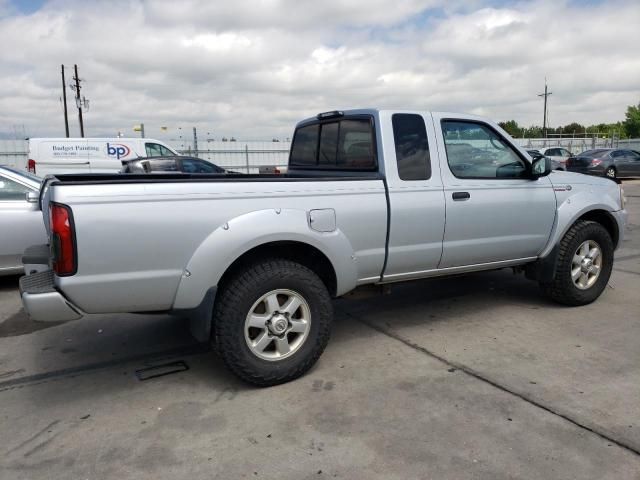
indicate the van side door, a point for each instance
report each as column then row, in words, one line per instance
column 416, row 198
column 495, row 211
column 58, row 156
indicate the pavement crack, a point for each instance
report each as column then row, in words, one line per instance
column 34, row 436
column 479, row 376
column 38, row 378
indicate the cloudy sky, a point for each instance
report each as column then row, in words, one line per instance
column 253, row 68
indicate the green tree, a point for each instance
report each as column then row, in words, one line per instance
column 572, row 128
column 511, row 127
column 632, row 121
column 533, row 132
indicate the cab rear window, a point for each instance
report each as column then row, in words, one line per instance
column 346, row 144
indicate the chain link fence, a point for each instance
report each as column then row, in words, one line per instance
column 577, row 145
column 240, row 156
column 250, row 156
column 13, row 152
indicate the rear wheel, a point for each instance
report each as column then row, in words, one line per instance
column 610, row 172
column 584, row 264
column 272, row 321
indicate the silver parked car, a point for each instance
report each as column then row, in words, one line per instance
column 558, row 156
column 21, row 222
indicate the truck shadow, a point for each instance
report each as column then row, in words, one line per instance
column 441, row 298
column 123, row 344
column 13, row 319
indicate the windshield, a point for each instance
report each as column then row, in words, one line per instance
column 24, row 174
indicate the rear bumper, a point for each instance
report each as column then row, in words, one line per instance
column 42, row 302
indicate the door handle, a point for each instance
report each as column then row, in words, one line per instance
column 459, row 196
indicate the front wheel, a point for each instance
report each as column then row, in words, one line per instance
column 272, row 321
column 584, row 264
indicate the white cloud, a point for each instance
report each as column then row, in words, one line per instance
column 253, row 68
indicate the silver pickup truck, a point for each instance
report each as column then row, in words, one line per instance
column 371, row 197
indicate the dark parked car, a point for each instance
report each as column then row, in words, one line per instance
column 175, row 164
column 608, row 162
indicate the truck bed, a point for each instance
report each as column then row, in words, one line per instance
column 100, row 178
column 142, row 233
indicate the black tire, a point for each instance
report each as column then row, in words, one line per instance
column 236, row 299
column 610, row 172
column 562, row 288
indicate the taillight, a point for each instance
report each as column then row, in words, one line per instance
column 595, row 162
column 31, row 166
column 63, row 242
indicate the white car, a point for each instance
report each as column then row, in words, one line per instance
column 558, row 155
column 21, row 222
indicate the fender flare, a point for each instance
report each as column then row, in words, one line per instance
column 545, row 268
column 570, row 211
column 241, row 234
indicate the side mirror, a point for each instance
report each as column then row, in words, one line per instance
column 540, row 167
column 32, row 197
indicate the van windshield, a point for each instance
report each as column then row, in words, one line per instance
column 157, row 150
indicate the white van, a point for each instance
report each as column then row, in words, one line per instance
column 89, row 155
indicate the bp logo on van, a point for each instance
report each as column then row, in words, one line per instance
column 118, row 150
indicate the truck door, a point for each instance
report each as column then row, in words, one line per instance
column 494, row 211
column 416, row 198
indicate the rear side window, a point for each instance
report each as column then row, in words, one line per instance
column 346, row 144
column 191, row 165
column 163, row 166
column 412, row 148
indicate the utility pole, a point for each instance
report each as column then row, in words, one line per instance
column 195, row 141
column 544, row 120
column 64, row 102
column 78, row 101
